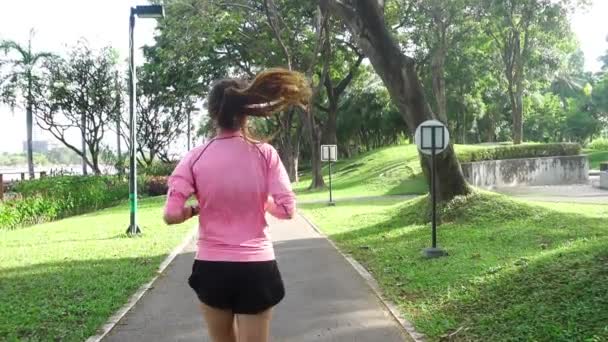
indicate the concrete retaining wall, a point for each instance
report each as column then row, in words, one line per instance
column 530, row 171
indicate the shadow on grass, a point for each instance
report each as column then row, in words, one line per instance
column 559, row 296
column 356, row 175
column 142, row 204
column 19, row 242
column 67, row 301
column 474, row 287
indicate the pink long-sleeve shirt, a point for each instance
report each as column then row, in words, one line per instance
column 232, row 180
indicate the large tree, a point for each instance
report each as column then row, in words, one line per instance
column 365, row 21
column 519, row 29
column 80, row 94
column 251, row 35
column 17, row 85
column 161, row 115
column 433, row 28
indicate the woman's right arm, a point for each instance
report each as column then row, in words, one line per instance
column 282, row 203
column 181, row 187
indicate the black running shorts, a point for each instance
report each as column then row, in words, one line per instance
column 242, row 287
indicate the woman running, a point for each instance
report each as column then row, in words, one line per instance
column 236, row 180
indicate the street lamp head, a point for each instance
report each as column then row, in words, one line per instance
column 149, row 11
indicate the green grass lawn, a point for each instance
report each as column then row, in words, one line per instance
column 517, row 271
column 392, row 170
column 62, row 280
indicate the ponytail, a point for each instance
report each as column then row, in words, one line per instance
column 231, row 101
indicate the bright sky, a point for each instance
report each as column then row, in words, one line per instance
column 105, row 22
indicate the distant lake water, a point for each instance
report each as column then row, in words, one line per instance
column 10, row 174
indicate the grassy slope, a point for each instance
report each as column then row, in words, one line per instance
column 516, row 270
column 60, row 281
column 388, row 171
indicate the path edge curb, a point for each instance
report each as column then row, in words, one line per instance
column 136, row 297
column 391, row 307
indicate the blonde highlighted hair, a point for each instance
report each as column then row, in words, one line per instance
column 230, row 101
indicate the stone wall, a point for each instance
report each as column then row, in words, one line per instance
column 530, row 171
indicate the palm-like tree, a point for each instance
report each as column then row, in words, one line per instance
column 17, row 85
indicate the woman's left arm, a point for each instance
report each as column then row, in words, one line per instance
column 181, row 187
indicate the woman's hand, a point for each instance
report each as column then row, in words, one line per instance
column 269, row 203
column 186, row 213
column 194, row 210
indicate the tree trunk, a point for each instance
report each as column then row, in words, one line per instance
column 317, row 171
column 314, row 138
column 95, row 162
column 518, row 114
column 287, row 155
column 119, row 164
column 83, row 123
column 29, row 128
column 398, row 72
column 330, row 134
column 296, row 154
column 492, row 128
column 438, row 76
column 516, row 100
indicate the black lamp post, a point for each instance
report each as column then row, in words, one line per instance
column 151, row 11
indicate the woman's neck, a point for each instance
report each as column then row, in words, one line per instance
column 229, row 132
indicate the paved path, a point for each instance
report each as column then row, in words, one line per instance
column 326, row 298
column 585, row 193
column 361, row 199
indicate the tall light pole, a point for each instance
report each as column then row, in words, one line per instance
column 151, row 11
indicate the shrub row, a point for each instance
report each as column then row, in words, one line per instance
column 520, row 151
column 599, row 144
column 53, row 198
column 158, row 169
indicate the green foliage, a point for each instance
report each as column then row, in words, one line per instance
column 60, row 281
column 158, row 169
column 20, row 74
column 516, row 271
column 519, row 151
column 545, row 118
column 368, row 119
column 599, row 144
column 52, row 198
column 66, row 98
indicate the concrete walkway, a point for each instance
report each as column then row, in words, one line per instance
column 583, row 193
column 361, row 199
column 327, row 300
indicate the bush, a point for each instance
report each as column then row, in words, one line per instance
column 156, row 185
column 599, row 144
column 53, row 198
column 159, row 169
column 521, row 151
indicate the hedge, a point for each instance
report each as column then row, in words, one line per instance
column 158, row 169
column 520, row 152
column 52, row 198
column 156, row 185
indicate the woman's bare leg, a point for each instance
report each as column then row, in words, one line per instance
column 220, row 323
column 254, row 328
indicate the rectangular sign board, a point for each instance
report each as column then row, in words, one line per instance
column 329, row 153
column 428, row 133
